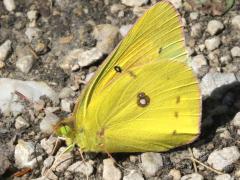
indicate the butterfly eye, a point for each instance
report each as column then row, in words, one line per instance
column 142, row 99
column 118, row 69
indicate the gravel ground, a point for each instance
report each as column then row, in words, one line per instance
column 49, row 50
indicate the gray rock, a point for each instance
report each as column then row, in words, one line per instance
column 32, row 33
column 151, row 163
column 5, row 163
column 175, row 174
column 115, row 8
column 213, row 80
column 9, row 5
column 134, row 2
column 196, row 30
column 21, row 123
column 5, row 50
column 62, row 160
column 212, row 43
column 194, row 176
column 194, row 15
column 223, row 177
column 214, row 27
column 24, row 155
column 66, row 92
column 48, row 122
column 196, row 153
column 25, row 63
column 71, row 59
column 66, row 105
column 235, row 51
column 107, row 37
column 176, row 3
column 86, row 168
column 236, row 21
column 110, row 172
column 236, row 120
column 226, row 59
column 48, row 161
column 198, row 62
column 48, row 144
column 32, row 15
column 219, row 159
column 133, row 175
column 124, row 29
column 89, row 57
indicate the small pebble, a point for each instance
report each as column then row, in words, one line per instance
column 175, row 174
column 198, row 62
column 151, row 163
column 21, row 123
column 66, row 105
column 194, row 176
column 9, row 5
column 219, row 159
column 235, row 51
column 236, row 120
column 212, row 43
column 223, row 177
column 134, row 2
column 32, row 33
column 194, row 15
column 196, row 30
column 86, row 168
column 5, row 50
column 236, row 21
column 176, row 3
column 32, row 15
column 89, row 57
column 110, row 172
column 48, row 123
column 66, row 92
column 48, row 144
column 115, row 8
column 48, row 161
column 25, row 63
column 124, row 29
column 214, row 27
column 133, row 175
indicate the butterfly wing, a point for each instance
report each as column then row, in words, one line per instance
column 150, row 60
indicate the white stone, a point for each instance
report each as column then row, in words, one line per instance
column 23, row 155
column 125, row 29
column 236, row 21
column 32, row 33
column 194, row 176
column 198, row 62
column 223, row 177
column 71, row 59
column 196, row 30
column 214, row 27
column 194, row 15
column 86, row 168
column 151, row 163
column 48, row 144
column 133, row 175
column 196, row 153
column 21, row 123
column 219, row 159
column 107, row 37
column 9, row 5
column 48, row 122
column 32, row 15
column 89, row 57
column 48, row 161
column 66, row 105
column 31, row 90
column 176, row 174
column 212, row 43
column 25, row 63
column 176, row 3
column 235, row 51
column 134, row 2
column 5, row 50
column 236, row 120
column 110, row 172
column 66, row 92
column 213, row 80
column 115, row 8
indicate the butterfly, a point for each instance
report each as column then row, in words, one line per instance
column 144, row 97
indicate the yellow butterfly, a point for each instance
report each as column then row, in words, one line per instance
column 144, row 97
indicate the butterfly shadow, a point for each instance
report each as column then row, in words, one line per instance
column 218, row 109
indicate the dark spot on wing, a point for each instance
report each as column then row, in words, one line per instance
column 160, row 50
column 143, row 100
column 176, row 114
column 132, row 74
column 178, row 100
column 118, row 69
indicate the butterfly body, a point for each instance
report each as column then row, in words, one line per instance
column 144, row 97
